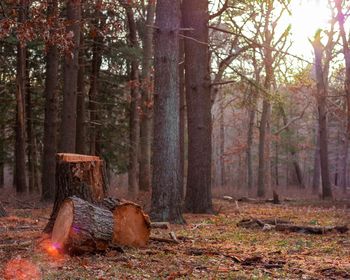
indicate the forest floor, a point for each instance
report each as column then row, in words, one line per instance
column 210, row 247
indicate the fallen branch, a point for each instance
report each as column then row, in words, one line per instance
column 160, row 225
column 162, row 239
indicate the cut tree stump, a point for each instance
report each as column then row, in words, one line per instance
column 3, row 212
column 81, row 227
column 78, row 175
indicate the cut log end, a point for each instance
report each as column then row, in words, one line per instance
column 131, row 225
column 63, row 225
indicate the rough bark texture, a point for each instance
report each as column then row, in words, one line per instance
column 51, row 113
column 166, row 181
column 81, row 176
column 70, row 78
column 20, row 155
column 198, row 100
column 81, row 227
column 146, row 102
column 321, row 96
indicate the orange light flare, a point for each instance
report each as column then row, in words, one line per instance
column 51, row 249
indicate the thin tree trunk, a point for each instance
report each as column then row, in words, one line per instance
column 80, row 144
column 317, row 170
column 249, row 148
column 222, row 142
column 99, row 23
column 322, row 113
column 198, row 100
column 146, row 102
column 71, row 67
column 166, row 181
column 51, row 113
column 20, row 155
column 134, row 137
column 346, row 52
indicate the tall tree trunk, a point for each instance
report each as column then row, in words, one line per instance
column 80, row 144
column 222, row 142
column 346, row 52
column 249, row 148
column 31, row 142
column 166, row 181
column 134, row 121
column 264, row 171
column 322, row 117
column 198, row 100
column 70, row 76
column 99, row 22
column 51, row 112
column 20, row 155
column 183, row 112
column 146, row 102
column 317, row 170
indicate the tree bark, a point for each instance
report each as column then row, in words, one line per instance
column 166, row 181
column 20, row 155
column 2, row 156
column 51, row 111
column 134, row 117
column 346, row 52
column 322, row 117
column 198, row 100
column 317, row 171
column 99, row 23
column 70, row 77
column 81, row 145
column 145, row 173
column 81, row 176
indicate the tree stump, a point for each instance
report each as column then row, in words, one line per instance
column 3, row 212
column 78, row 175
column 81, row 227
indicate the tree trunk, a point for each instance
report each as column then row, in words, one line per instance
column 70, row 77
column 166, row 181
column 249, row 147
column 146, row 102
column 79, row 175
column 222, row 142
column 20, row 155
column 80, row 144
column 198, row 100
column 317, row 170
column 322, row 118
column 134, row 129
column 346, row 52
column 183, row 113
column 99, row 23
column 51, row 112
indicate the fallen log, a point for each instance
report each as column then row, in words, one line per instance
column 3, row 212
column 287, row 226
column 311, row 229
column 83, row 227
column 78, row 175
